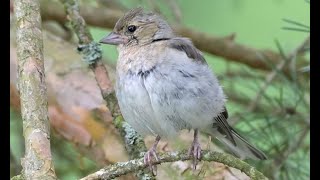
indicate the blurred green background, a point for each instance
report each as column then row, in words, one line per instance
column 257, row 24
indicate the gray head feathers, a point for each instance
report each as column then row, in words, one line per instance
column 139, row 17
column 128, row 16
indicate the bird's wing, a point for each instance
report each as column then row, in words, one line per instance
column 223, row 126
column 185, row 45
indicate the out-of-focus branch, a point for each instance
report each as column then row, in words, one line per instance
column 123, row 168
column 220, row 46
column 51, row 10
column 113, row 4
column 37, row 162
column 175, row 9
column 92, row 54
column 272, row 75
column 58, row 29
column 226, row 47
column 292, row 147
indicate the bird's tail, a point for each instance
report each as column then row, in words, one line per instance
column 242, row 148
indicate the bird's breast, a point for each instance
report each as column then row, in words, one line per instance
column 161, row 93
column 139, row 59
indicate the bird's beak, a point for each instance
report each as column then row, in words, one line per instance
column 113, row 39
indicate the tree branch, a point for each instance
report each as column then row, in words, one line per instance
column 123, row 168
column 92, row 54
column 220, row 46
column 37, row 162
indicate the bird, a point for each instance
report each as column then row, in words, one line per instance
column 164, row 85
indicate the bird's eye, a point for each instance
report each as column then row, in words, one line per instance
column 132, row 28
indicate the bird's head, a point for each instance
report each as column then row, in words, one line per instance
column 138, row 28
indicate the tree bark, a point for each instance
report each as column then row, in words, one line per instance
column 37, row 162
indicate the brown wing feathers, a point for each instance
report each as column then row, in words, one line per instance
column 223, row 126
column 185, row 45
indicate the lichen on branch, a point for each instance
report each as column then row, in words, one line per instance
column 123, row 168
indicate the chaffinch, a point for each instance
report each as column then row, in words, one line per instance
column 164, row 85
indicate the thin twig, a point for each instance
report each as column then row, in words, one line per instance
column 299, row 26
column 123, row 168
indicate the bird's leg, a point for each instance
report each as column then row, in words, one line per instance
column 195, row 149
column 152, row 153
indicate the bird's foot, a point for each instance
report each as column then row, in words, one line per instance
column 195, row 150
column 152, row 153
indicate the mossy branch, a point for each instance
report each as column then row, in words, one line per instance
column 123, row 168
column 92, row 54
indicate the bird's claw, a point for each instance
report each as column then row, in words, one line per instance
column 148, row 159
column 195, row 151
